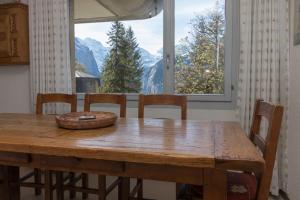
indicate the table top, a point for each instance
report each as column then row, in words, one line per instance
column 190, row 143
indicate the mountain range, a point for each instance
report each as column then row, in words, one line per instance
column 91, row 54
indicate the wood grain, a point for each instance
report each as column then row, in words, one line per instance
column 182, row 151
column 135, row 140
column 153, row 141
column 234, row 150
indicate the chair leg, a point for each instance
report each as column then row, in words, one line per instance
column 72, row 183
column 178, row 187
column 48, row 185
column 59, row 186
column 140, row 191
column 85, row 184
column 124, row 189
column 101, row 187
column 38, row 180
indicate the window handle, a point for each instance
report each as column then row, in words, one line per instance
column 168, row 61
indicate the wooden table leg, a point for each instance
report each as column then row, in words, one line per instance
column 215, row 185
column 124, row 189
column 10, row 188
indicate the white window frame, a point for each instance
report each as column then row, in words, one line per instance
column 231, row 48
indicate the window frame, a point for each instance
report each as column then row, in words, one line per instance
column 231, row 48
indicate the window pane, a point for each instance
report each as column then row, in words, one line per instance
column 120, row 57
column 199, row 43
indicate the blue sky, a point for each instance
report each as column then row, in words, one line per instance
column 149, row 32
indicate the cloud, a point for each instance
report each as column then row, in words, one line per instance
column 97, row 31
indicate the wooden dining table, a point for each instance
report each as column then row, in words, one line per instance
column 182, row 151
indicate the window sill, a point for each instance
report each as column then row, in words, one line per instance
column 211, row 102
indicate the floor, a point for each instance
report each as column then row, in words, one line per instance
column 151, row 190
column 31, row 197
column 276, row 198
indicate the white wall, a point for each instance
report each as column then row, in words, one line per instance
column 294, row 118
column 14, row 89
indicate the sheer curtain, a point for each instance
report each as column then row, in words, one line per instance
column 49, row 49
column 264, row 67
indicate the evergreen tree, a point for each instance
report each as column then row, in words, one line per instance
column 133, row 63
column 122, row 70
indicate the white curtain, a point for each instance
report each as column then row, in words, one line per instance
column 49, row 49
column 264, row 68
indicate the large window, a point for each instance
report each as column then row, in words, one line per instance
column 184, row 49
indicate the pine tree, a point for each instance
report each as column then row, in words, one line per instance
column 112, row 76
column 122, row 70
column 134, row 64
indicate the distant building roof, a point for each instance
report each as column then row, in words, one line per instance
column 79, row 74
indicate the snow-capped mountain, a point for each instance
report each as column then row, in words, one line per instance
column 153, row 78
column 85, row 57
column 99, row 51
column 148, row 59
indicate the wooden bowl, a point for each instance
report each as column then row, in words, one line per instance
column 74, row 120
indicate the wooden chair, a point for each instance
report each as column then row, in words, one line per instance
column 55, row 98
column 248, row 185
column 101, row 191
column 172, row 100
column 147, row 100
column 106, row 98
column 37, row 173
column 258, row 185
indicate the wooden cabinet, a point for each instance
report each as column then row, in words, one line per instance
column 14, row 34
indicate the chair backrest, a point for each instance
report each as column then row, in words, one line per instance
column 55, row 98
column 119, row 99
column 268, row 146
column 174, row 100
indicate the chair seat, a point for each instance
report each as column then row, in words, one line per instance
column 241, row 186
